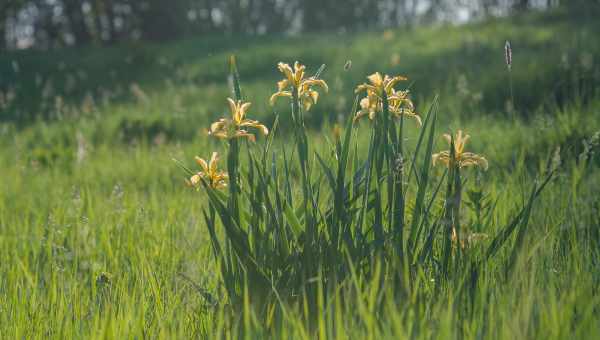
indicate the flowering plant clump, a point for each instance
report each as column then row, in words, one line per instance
column 358, row 215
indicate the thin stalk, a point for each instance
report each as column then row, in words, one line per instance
column 399, row 199
column 233, row 171
column 448, row 211
column 233, row 154
column 369, row 169
column 456, row 200
column 302, row 145
column 512, row 97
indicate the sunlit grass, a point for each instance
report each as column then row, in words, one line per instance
column 101, row 238
column 62, row 227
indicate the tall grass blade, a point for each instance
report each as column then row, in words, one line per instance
column 422, row 186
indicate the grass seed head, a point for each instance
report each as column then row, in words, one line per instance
column 508, row 54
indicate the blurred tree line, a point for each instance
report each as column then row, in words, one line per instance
column 55, row 23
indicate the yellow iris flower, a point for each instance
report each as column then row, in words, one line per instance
column 462, row 158
column 379, row 83
column 294, row 81
column 234, row 128
column 398, row 102
column 216, row 179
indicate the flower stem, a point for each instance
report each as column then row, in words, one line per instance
column 512, row 97
column 232, row 168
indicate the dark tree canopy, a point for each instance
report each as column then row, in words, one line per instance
column 56, row 23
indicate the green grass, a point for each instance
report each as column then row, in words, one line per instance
column 100, row 238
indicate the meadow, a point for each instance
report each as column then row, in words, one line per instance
column 328, row 227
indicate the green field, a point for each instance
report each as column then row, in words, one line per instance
column 101, row 238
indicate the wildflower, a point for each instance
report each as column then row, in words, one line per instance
column 294, row 81
column 399, row 104
column 369, row 106
column 234, row 127
column 462, row 159
column 216, row 179
column 378, row 83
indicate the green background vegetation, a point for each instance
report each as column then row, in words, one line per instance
column 99, row 238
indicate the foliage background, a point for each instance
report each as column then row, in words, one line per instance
column 99, row 238
column 47, row 24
